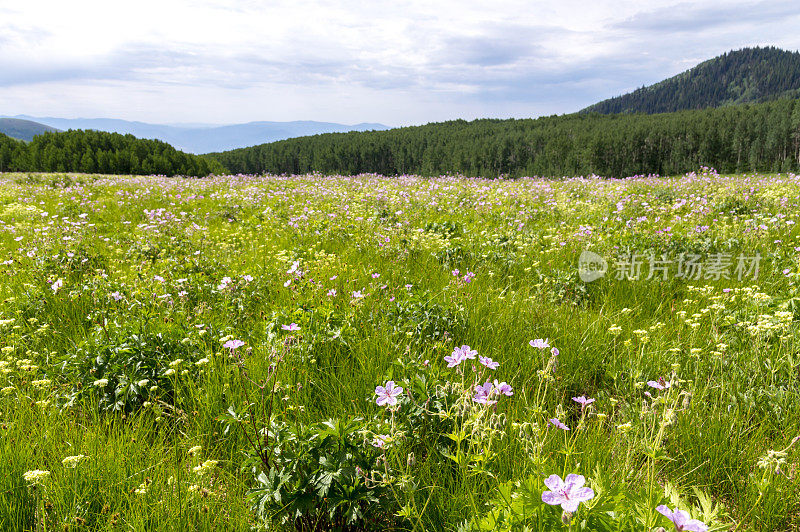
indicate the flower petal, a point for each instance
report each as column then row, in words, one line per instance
column 680, row 518
column 570, row 505
column 574, row 481
column 554, row 482
column 665, row 511
column 582, row 494
column 554, row 499
column 695, row 526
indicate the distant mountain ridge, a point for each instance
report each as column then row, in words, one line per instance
column 749, row 75
column 203, row 138
column 23, row 129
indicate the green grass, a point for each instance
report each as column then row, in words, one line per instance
column 142, row 263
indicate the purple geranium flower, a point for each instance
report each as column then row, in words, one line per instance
column 233, row 344
column 682, row 520
column 541, row 344
column 467, row 352
column 387, row 395
column 503, row 388
column 558, row 424
column 569, row 494
column 459, row 355
column 454, row 359
column 583, row 401
column 291, row 327
column 484, row 393
column 659, row 384
column 488, row 362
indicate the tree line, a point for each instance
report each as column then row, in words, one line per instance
column 100, row 152
column 749, row 75
column 750, row 137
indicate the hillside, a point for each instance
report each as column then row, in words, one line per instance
column 100, row 152
column 22, row 129
column 749, row 75
column 204, row 138
column 764, row 137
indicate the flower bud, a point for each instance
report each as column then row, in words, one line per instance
column 566, row 517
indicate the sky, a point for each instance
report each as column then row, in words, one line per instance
column 398, row 63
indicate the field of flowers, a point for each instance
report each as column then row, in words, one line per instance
column 373, row 353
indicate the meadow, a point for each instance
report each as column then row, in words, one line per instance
column 399, row 353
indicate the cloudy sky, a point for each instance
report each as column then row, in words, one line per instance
column 399, row 62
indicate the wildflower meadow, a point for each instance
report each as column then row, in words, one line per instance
column 322, row 353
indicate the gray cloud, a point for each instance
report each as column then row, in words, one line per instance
column 687, row 18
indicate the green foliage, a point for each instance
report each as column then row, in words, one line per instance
column 122, row 376
column 100, row 152
column 322, row 478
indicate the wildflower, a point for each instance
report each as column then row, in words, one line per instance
column 387, row 395
column 583, row 401
column 169, row 372
column 380, row 440
column 41, row 383
column 175, row 363
column 332, row 292
column 539, row 343
column 247, row 278
column 35, row 477
column 569, row 494
column 682, row 520
column 484, row 393
column 195, row 450
column 291, row 327
column 142, row 383
column 73, row 461
column 660, row 384
column 488, row 362
column 202, row 362
column 233, row 344
column 503, row 388
column 142, row 489
column 116, row 296
column 57, row 285
column 357, row 294
column 205, row 467
column 375, row 275
column 558, row 424
column 100, row 383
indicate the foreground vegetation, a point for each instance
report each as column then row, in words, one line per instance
column 352, row 353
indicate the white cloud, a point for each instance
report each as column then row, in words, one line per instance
column 398, row 62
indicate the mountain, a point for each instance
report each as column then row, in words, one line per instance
column 749, row 75
column 202, row 138
column 22, row 129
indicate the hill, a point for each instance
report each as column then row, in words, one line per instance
column 100, row 152
column 757, row 137
column 749, row 75
column 23, row 129
column 204, row 138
